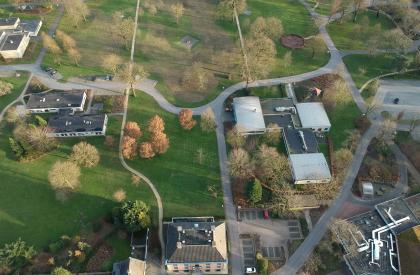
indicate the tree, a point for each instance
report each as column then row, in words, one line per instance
column 225, row 8
column 357, row 6
column 35, row 137
column 345, row 233
column 195, row 78
column 262, row 264
column 396, row 38
column 67, row 42
column 272, row 135
column 135, row 215
column 336, row 94
column 5, row 88
column 51, row 46
column 64, row 178
column 132, row 129
column 261, row 52
column 258, row 27
column 317, row 45
column 85, row 155
column 177, row 11
column 186, row 120
column 160, row 142
column 234, row 137
column 255, row 195
column 129, row 147
column 132, row 73
column 387, row 130
column 287, row 60
column 274, row 28
column 74, row 55
column 417, row 59
column 208, row 120
column 77, row 11
column 312, row 264
column 334, row 8
column 15, row 255
column 342, row 159
column 112, row 63
column 146, row 150
column 156, row 124
column 119, row 195
column 240, row 163
column 13, row 115
column 60, row 271
column 123, row 28
column 16, row 3
column 272, row 167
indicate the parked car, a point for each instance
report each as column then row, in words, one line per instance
column 266, row 214
column 396, row 100
column 109, row 77
column 251, row 270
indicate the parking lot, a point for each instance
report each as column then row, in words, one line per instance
column 269, row 236
column 395, row 96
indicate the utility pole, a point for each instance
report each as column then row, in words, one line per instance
column 241, row 39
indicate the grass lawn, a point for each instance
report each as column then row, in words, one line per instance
column 324, row 7
column 181, row 181
column 342, row 120
column 365, row 67
column 18, row 85
column 121, row 249
column 295, row 19
column 348, row 35
column 28, row 207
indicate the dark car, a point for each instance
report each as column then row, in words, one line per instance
column 396, row 100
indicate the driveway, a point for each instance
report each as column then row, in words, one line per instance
column 408, row 93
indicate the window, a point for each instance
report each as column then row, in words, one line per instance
column 207, row 270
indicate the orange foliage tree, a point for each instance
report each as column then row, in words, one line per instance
column 186, row 120
column 160, row 142
column 129, row 149
column 132, row 129
column 146, row 150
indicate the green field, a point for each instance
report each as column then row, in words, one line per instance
column 365, row 67
column 181, row 181
column 18, row 85
column 28, row 207
column 349, row 35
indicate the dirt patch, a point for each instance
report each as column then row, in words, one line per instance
column 412, row 151
column 293, row 41
column 103, row 253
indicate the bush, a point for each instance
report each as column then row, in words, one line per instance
column 40, row 121
column 96, row 226
column 262, row 265
column 56, row 247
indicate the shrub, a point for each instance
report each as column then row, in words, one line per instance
column 56, row 247
column 186, row 120
column 40, row 121
column 96, row 226
column 255, row 195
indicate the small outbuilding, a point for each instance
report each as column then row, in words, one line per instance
column 367, row 189
column 309, row 168
column 248, row 115
column 312, row 115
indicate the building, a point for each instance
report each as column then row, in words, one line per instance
column 300, row 141
column 9, row 23
column 13, row 45
column 54, row 101
column 196, row 245
column 313, row 116
column 387, row 239
column 77, row 125
column 15, row 36
column 248, row 115
column 309, row 168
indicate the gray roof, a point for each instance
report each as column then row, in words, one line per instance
column 300, row 141
column 84, row 123
column 248, row 114
column 195, row 242
column 4, row 22
column 268, row 105
column 56, row 99
column 12, row 41
column 29, row 25
column 310, row 166
column 312, row 115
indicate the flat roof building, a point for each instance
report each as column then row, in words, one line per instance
column 248, row 115
column 309, row 168
column 196, row 245
column 55, row 100
column 13, row 45
column 313, row 115
column 300, row 141
column 74, row 126
column 10, row 23
column 31, row 27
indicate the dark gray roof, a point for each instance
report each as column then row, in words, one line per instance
column 29, row 25
column 295, row 143
column 4, row 22
column 282, row 120
column 193, row 244
column 268, row 105
column 55, row 99
column 12, row 41
column 84, row 123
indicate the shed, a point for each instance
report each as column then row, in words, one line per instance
column 309, row 168
column 367, row 189
column 248, row 115
column 313, row 115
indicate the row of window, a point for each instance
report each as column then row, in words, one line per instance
column 79, row 134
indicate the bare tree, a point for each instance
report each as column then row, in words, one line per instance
column 397, row 39
column 334, row 8
column 346, row 233
column 76, row 10
column 123, row 28
column 225, row 8
column 272, row 167
column 112, row 63
column 64, row 177
column 208, row 120
column 235, row 138
column 74, row 55
column 51, row 46
column 85, row 155
column 5, row 88
column 387, row 130
column 261, row 55
column 67, row 42
column 132, row 73
column 177, row 11
column 195, row 78
column 36, row 137
column 240, row 163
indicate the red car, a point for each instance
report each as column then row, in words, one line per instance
column 266, row 215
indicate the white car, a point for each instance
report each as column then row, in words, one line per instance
column 251, row 270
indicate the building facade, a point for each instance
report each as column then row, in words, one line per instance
column 78, row 126
column 55, row 101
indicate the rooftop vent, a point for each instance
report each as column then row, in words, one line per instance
column 179, row 228
column 11, row 41
column 302, row 137
column 196, row 225
column 57, row 99
column 178, row 245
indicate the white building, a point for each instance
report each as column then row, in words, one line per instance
column 78, row 126
column 248, row 115
column 13, row 45
column 309, row 168
column 313, row 116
